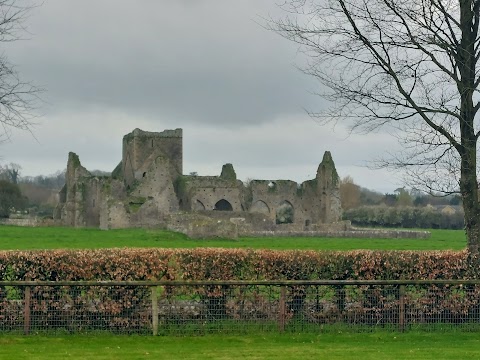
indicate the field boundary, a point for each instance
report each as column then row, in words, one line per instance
column 238, row 306
column 354, row 233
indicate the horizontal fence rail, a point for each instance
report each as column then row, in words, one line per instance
column 202, row 307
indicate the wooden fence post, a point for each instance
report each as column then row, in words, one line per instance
column 401, row 310
column 282, row 309
column 26, row 311
column 154, row 291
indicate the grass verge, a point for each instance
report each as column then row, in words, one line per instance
column 452, row 345
column 24, row 238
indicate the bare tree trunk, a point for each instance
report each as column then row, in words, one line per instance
column 469, row 191
column 468, row 150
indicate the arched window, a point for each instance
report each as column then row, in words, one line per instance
column 260, row 207
column 223, row 205
column 284, row 213
column 199, row 206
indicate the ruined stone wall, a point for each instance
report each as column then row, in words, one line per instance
column 371, row 234
column 199, row 226
column 207, row 224
column 113, row 210
column 71, row 206
column 149, row 215
column 311, row 199
column 281, row 201
column 204, row 193
column 315, row 201
column 91, row 196
column 147, row 187
column 267, row 196
column 80, row 200
column 199, row 193
column 141, row 148
column 113, row 215
column 145, row 204
column 27, row 222
column 154, row 196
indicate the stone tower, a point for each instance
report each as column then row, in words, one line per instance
column 142, row 148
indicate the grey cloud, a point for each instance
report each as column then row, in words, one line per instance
column 207, row 62
column 110, row 66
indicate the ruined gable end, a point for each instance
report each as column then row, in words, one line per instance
column 329, row 190
column 327, row 175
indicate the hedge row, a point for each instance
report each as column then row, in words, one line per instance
column 233, row 264
column 128, row 309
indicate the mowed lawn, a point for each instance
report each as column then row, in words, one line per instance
column 382, row 346
column 24, row 238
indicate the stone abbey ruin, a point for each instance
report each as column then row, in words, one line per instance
column 148, row 189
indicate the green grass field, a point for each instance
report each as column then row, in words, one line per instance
column 382, row 346
column 336, row 345
column 23, row 238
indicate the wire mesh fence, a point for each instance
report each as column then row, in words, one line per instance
column 236, row 307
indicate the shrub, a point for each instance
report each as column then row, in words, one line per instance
column 404, row 216
column 126, row 308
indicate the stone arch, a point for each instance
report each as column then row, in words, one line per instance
column 198, row 206
column 223, row 205
column 284, row 213
column 260, row 206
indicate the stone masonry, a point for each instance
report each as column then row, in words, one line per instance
column 148, row 189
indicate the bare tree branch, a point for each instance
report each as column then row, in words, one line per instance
column 410, row 66
column 18, row 98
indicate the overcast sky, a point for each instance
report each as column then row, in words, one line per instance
column 207, row 66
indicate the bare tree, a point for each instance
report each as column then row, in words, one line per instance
column 12, row 172
column 18, row 98
column 349, row 193
column 411, row 66
column 3, row 173
column 403, row 197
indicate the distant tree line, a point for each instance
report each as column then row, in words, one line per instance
column 11, row 198
column 403, row 208
column 53, row 181
column 353, row 196
column 37, row 194
column 405, row 217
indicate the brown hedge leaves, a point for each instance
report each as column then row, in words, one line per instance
column 233, row 264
